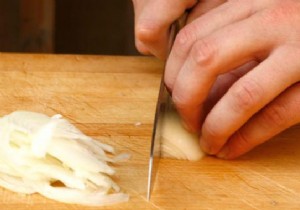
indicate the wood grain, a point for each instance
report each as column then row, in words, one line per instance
column 105, row 97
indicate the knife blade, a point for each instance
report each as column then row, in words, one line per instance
column 162, row 105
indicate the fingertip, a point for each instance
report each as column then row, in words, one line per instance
column 189, row 121
column 142, row 48
column 148, row 49
column 190, row 115
column 151, row 43
column 224, row 153
column 205, row 146
column 187, row 126
column 169, row 79
column 237, row 145
column 147, row 31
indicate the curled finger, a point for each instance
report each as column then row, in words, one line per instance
column 277, row 116
column 249, row 95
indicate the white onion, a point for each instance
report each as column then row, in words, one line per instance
column 37, row 151
column 176, row 141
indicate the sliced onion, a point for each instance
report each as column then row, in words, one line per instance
column 94, row 198
column 37, row 151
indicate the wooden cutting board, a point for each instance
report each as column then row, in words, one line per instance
column 113, row 99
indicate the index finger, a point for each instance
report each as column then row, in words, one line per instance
column 152, row 21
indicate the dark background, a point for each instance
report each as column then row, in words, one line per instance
column 67, row 26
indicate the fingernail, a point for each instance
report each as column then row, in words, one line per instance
column 188, row 127
column 205, row 146
column 223, row 154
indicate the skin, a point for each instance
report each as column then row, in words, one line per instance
column 233, row 71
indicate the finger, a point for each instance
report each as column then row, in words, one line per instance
column 200, row 28
column 152, row 22
column 141, row 47
column 203, row 7
column 212, row 56
column 222, row 84
column 248, row 95
column 279, row 115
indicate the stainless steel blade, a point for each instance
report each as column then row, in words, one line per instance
column 161, row 106
column 156, row 138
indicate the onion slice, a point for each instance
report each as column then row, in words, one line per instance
column 37, row 152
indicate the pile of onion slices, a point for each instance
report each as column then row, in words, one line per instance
column 50, row 156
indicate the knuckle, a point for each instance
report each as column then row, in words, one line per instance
column 274, row 115
column 271, row 17
column 183, row 41
column 235, row 1
column 281, row 11
column 246, row 95
column 203, row 52
column 147, row 31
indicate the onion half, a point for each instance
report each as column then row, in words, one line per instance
column 176, row 141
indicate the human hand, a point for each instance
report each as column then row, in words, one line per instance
column 234, row 74
column 153, row 19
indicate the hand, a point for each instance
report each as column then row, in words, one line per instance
column 153, row 19
column 234, row 72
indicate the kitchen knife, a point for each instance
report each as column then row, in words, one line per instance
column 161, row 107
